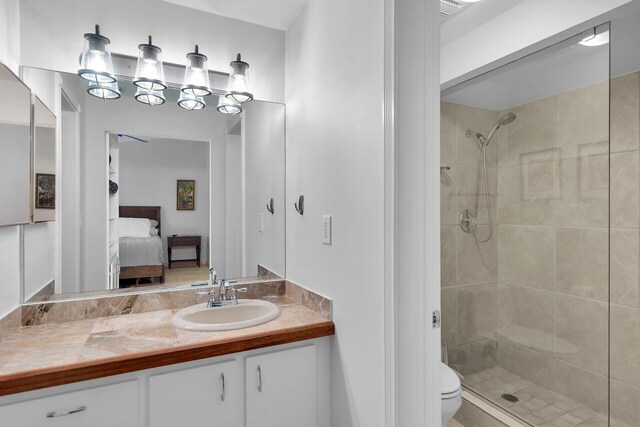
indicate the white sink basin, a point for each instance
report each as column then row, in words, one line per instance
column 248, row 312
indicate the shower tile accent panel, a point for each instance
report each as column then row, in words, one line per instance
column 526, row 193
column 582, row 121
column 583, row 191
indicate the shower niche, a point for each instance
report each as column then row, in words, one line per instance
column 539, row 236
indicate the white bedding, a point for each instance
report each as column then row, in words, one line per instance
column 137, row 251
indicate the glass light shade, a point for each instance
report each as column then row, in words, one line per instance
column 149, row 70
column 190, row 102
column 155, row 97
column 229, row 106
column 196, row 75
column 104, row 91
column 96, row 65
column 238, row 87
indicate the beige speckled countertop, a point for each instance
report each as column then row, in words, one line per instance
column 46, row 355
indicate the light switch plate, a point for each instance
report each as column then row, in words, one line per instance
column 326, row 229
column 260, row 222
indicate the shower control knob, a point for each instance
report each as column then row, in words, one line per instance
column 467, row 221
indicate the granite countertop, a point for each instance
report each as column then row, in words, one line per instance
column 59, row 353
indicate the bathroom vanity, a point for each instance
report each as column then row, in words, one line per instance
column 139, row 370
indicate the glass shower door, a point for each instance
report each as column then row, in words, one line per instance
column 525, row 232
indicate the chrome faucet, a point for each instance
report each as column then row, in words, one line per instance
column 224, row 287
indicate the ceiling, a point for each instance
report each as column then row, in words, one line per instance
column 472, row 17
column 556, row 69
column 276, row 14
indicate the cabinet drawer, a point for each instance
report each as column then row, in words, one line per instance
column 107, row 406
column 184, row 241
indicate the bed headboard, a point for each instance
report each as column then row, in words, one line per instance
column 151, row 212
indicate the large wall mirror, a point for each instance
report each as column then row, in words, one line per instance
column 153, row 197
column 15, row 143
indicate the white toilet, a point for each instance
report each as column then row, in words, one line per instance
column 450, row 393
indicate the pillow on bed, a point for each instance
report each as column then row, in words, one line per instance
column 154, row 228
column 134, row 227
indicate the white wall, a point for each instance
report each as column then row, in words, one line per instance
column 335, row 157
column 39, row 260
column 264, row 178
column 148, row 174
column 10, row 34
column 523, row 25
column 52, row 32
column 233, row 204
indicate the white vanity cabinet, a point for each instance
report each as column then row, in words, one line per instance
column 281, row 388
column 202, row 396
column 105, row 406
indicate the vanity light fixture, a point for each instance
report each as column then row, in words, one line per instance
column 149, row 70
column 96, row 65
column 598, row 38
column 150, row 97
column 196, row 75
column 228, row 106
column 105, row 91
column 191, row 102
column 238, row 87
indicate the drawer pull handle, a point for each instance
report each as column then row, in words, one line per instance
column 222, row 395
column 64, row 414
column 259, row 379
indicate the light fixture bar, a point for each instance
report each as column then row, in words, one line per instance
column 124, row 68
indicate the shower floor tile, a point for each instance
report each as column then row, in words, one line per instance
column 536, row 405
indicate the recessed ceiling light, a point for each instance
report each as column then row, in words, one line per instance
column 596, row 39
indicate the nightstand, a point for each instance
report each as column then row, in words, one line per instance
column 184, row 241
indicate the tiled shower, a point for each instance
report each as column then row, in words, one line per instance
column 548, row 309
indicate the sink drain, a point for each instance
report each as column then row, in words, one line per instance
column 510, row 398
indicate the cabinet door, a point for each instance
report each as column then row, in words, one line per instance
column 107, row 406
column 203, row 396
column 281, row 389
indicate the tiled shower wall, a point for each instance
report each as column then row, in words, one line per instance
column 469, row 268
column 534, row 300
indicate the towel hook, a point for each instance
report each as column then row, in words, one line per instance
column 300, row 205
column 270, row 206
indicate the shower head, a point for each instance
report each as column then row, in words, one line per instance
column 502, row 121
column 506, row 119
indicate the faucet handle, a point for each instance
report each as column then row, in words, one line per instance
column 234, row 291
